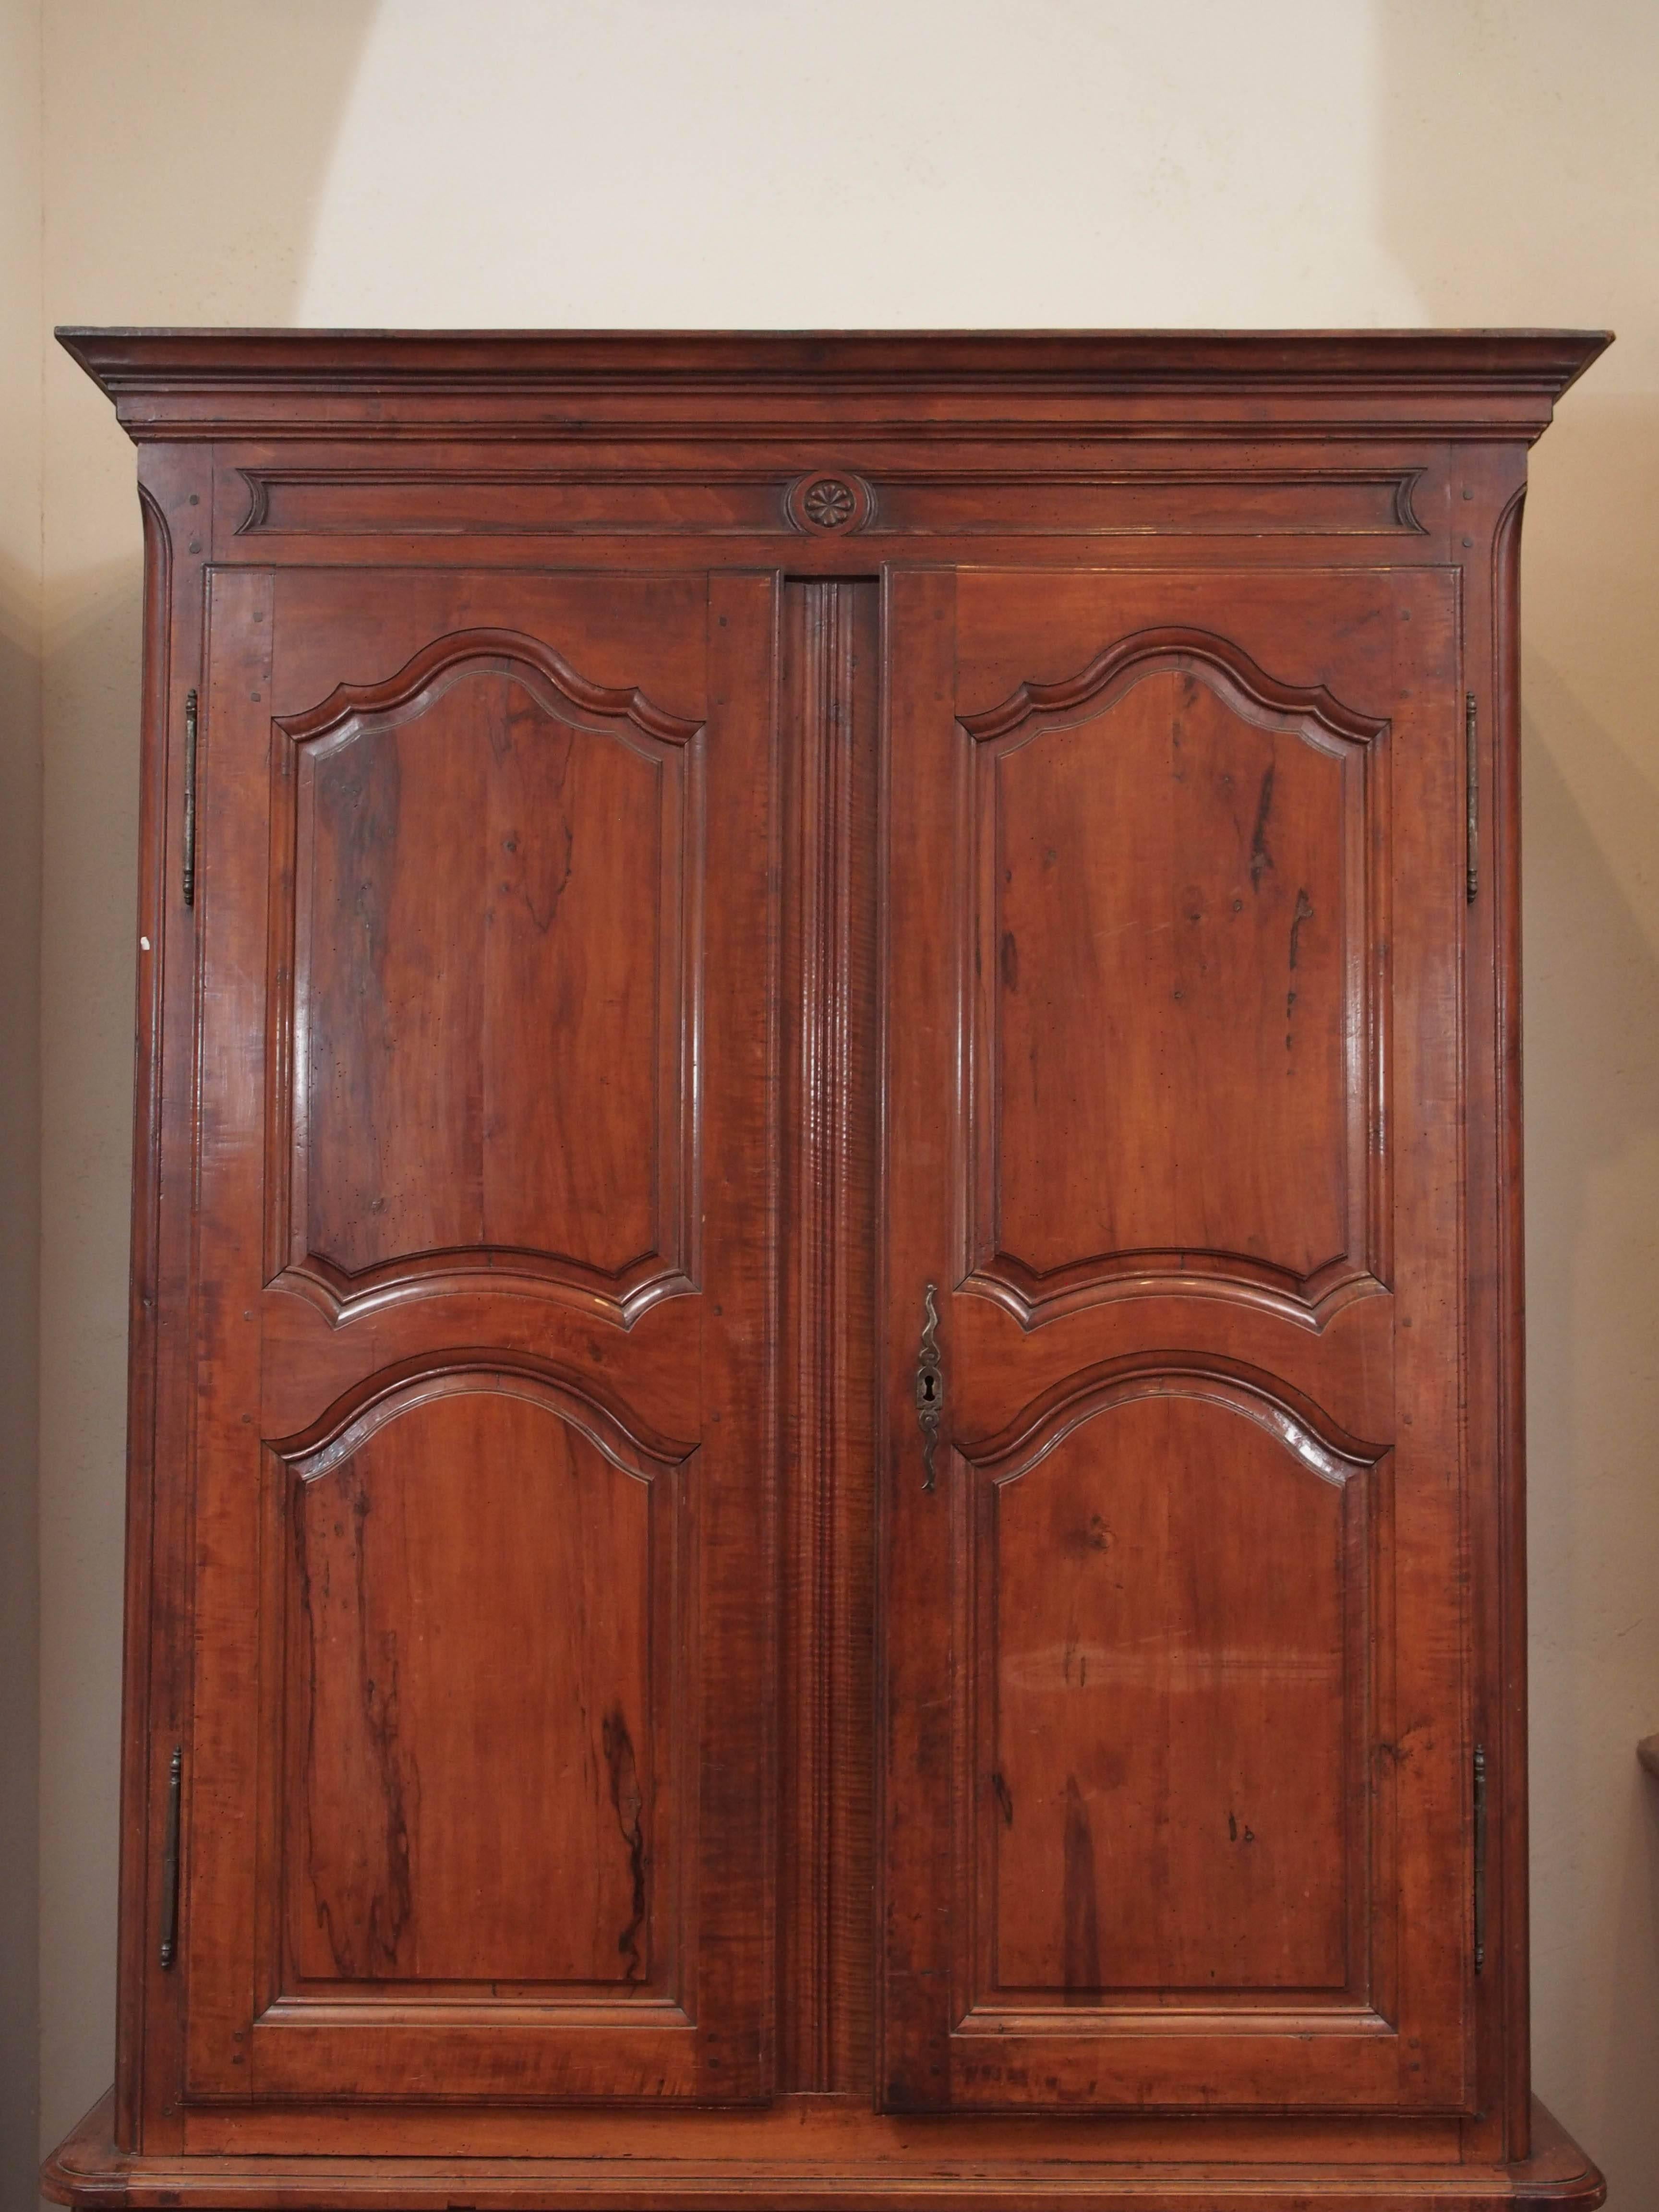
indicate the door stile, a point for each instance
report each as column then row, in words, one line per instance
column 220, row 1889
column 828, row 685
column 738, row 1517
column 919, row 1058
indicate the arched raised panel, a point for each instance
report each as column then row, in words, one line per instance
column 1171, row 1704
column 491, row 1025
column 482, row 1585
column 1175, row 938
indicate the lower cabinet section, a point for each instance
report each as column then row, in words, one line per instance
column 825, row 1489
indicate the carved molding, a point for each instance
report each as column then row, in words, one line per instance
column 568, row 501
column 349, row 1424
column 829, row 502
column 1249, row 689
column 636, row 499
column 543, row 670
column 830, row 1391
column 1306, row 1432
column 173, row 384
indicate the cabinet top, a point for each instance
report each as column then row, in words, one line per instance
column 171, row 384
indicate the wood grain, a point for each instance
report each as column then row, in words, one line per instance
column 483, row 888
column 490, row 1025
column 1170, row 912
column 481, row 1787
column 1175, row 1665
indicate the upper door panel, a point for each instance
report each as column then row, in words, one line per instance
column 493, row 979
column 1169, row 931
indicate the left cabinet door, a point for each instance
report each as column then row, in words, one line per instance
column 479, row 1775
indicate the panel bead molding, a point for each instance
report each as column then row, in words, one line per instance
column 556, row 828
column 635, row 498
column 1266, row 852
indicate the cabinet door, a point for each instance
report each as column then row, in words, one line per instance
column 1176, row 1792
column 480, row 1772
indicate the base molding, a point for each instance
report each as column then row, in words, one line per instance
column 87, row 2171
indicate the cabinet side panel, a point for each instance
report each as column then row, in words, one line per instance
column 173, row 493
column 1503, row 766
column 737, row 1530
column 1486, row 485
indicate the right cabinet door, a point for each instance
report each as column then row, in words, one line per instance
column 1177, row 1804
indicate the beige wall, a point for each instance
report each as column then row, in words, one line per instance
column 891, row 161
column 184, row 143
column 20, row 1080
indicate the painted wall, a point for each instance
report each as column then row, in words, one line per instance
column 925, row 162
column 20, row 357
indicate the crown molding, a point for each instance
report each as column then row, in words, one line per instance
column 577, row 385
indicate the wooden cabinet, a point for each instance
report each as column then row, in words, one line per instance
column 826, row 1490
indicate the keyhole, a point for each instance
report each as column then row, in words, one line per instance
column 929, row 1387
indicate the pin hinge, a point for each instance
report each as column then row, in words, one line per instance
column 189, row 798
column 170, row 1859
column 1471, row 793
column 1479, row 1858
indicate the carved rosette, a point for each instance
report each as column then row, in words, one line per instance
column 829, row 503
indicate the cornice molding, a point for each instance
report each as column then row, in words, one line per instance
column 564, row 384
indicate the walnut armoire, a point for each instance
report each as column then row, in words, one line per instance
column 826, row 1491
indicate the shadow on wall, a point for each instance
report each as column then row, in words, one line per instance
column 209, row 224
column 20, row 1154
column 1517, row 184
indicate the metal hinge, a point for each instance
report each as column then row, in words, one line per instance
column 1479, row 1858
column 1472, row 798
column 170, row 1855
column 189, row 798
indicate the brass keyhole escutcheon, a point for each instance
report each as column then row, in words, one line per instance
column 930, row 1385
